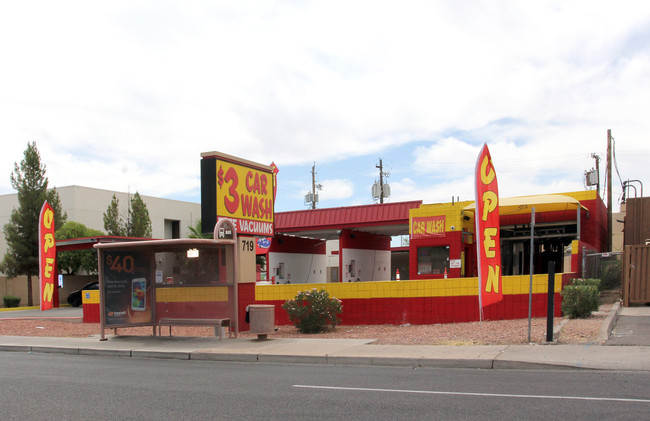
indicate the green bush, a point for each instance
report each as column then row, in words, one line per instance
column 312, row 311
column 579, row 300
column 586, row 281
column 11, row 301
column 610, row 274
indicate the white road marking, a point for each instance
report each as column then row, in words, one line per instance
column 498, row 395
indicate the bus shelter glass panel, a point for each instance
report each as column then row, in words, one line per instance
column 127, row 288
column 195, row 282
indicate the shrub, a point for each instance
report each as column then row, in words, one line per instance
column 610, row 274
column 579, row 300
column 11, row 301
column 312, row 311
column 587, row 282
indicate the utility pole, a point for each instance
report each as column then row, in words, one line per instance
column 597, row 158
column 381, row 189
column 313, row 185
column 313, row 196
column 609, row 190
column 381, row 181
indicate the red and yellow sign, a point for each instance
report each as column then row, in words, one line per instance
column 488, row 239
column 245, row 196
column 47, row 257
column 427, row 226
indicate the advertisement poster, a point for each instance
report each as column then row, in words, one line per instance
column 127, row 288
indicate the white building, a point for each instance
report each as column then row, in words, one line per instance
column 169, row 218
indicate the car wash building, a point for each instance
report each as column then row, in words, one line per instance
column 348, row 252
column 441, row 286
column 442, row 239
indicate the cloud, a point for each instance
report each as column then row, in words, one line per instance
column 336, row 190
column 421, row 84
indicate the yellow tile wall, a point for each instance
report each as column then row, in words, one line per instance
column 452, row 287
column 189, row 294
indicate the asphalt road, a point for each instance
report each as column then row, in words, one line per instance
column 39, row 386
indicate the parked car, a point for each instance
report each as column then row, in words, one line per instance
column 74, row 299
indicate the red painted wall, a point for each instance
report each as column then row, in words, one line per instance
column 416, row 310
column 453, row 239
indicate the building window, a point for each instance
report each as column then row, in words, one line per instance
column 433, row 260
column 172, row 228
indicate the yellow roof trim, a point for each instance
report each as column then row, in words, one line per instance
column 541, row 203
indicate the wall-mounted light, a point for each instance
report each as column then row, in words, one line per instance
column 192, row 253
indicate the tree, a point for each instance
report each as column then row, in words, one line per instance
column 21, row 232
column 138, row 223
column 112, row 221
column 70, row 262
column 195, row 231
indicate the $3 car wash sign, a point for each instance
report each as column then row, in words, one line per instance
column 245, row 195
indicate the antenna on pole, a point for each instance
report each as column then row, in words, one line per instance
column 312, row 197
column 592, row 177
column 381, row 190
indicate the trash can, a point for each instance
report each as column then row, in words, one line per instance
column 262, row 319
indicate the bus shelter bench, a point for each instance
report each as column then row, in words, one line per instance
column 216, row 323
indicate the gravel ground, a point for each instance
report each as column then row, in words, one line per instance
column 574, row 331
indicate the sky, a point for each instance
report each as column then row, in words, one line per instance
column 126, row 95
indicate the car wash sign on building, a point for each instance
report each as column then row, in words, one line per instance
column 239, row 190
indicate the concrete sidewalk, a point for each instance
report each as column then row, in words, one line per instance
column 630, row 327
column 615, row 355
column 342, row 352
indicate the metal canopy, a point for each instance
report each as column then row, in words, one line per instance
column 541, row 203
column 382, row 219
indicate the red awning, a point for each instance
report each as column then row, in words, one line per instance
column 385, row 219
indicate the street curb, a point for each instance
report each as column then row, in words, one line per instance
column 374, row 361
column 273, row 358
column 166, row 355
column 223, row 357
column 292, row 359
column 500, row 361
column 456, row 363
column 104, row 352
column 28, row 308
column 521, row 365
column 606, row 328
column 55, row 350
column 16, row 348
column 19, row 308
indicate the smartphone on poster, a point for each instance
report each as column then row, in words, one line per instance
column 138, row 294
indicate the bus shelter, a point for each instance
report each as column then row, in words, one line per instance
column 169, row 282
